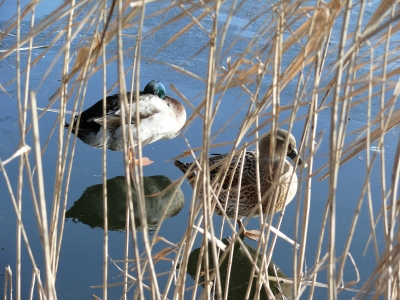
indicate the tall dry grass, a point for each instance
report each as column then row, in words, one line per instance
column 360, row 69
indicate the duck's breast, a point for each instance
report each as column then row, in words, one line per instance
column 287, row 187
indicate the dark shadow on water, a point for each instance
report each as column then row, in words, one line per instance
column 88, row 209
column 240, row 273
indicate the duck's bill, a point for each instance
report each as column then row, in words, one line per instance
column 296, row 157
column 302, row 163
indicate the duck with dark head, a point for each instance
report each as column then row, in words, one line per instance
column 161, row 117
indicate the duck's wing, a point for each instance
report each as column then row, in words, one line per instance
column 88, row 117
column 248, row 176
column 96, row 110
column 148, row 105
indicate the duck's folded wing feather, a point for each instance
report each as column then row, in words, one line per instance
column 148, row 106
column 113, row 121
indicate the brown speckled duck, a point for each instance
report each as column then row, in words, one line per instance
column 248, row 200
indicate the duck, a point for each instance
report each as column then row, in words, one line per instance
column 161, row 117
column 268, row 173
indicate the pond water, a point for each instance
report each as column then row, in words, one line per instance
column 81, row 258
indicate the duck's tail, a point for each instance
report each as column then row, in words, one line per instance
column 184, row 167
column 181, row 165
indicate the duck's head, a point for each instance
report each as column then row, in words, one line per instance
column 155, row 87
column 280, row 149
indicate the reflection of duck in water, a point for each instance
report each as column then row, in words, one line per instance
column 248, row 200
column 239, row 271
column 161, row 117
column 88, row 209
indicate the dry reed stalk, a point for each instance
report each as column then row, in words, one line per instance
column 8, row 284
column 104, row 166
